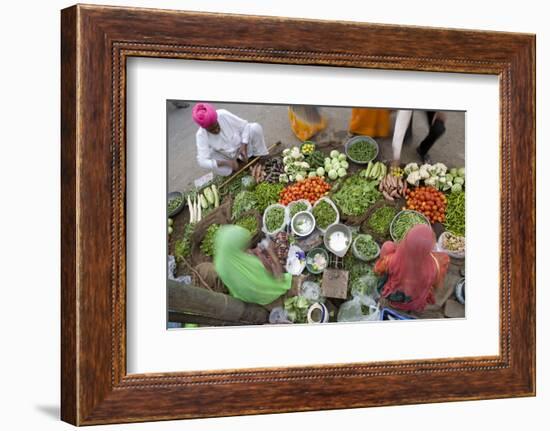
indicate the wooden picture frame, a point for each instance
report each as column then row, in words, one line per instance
column 95, row 43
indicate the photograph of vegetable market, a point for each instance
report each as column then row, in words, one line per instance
column 282, row 215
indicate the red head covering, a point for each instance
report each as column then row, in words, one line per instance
column 413, row 268
column 205, row 115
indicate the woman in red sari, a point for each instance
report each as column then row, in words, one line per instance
column 413, row 269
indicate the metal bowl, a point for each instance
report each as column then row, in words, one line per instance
column 173, row 195
column 332, row 229
column 355, row 139
column 301, row 217
column 311, row 254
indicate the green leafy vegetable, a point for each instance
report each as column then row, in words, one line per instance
column 207, row 244
column 267, row 194
column 174, row 203
column 356, row 195
column 366, row 247
column 250, row 223
column 274, row 218
column 362, row 151
column 296, row 208
column 381, row 219
column 244, row 201
column 324, row 214
column 182, row 247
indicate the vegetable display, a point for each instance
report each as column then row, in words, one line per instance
column 182, row 248
column 296, row 308
column 374, row 171
column 317, row 262
column 267, row 194
column 405, row 221
column 307, row 147
column 356, row 195
column 311, row 189
column 453, row 242
column 296, row 207
column 429, row 175
column 258, row 172
column 393, row 187
column 366, row 247
column 250, row 223
column 324, row 214
column 381, row 219
column 274, row 218
column 336, row 165
column 296, row 169
column 244, row 201
column 456, row 215
column 174, row 203
column 316, row 160
column 428, row 201
column 273, row 169
column 396, row 171
column 207, row 244
column 362, row 151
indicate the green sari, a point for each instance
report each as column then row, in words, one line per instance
column 244, row 274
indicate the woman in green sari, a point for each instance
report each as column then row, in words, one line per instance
column 243, row 273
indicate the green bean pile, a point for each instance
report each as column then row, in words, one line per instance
column 405, row 222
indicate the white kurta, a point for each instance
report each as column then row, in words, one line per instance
column 234, row 132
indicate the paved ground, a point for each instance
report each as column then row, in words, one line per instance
column 183, row 168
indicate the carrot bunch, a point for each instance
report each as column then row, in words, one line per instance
column 311, row 189
column 428, row 201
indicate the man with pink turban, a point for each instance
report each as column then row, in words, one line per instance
column 223, row 138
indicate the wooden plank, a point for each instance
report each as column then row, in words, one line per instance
column 195, row 300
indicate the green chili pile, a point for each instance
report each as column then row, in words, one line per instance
column 456, row 213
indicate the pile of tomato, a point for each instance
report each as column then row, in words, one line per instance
column 428, row 201
column 311, row 189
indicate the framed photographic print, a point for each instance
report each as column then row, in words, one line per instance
column 292, row 208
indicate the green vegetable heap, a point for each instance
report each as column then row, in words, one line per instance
column 250, row 223
column 296, row 208
column 182, row 248
column 267, row 194
column 366, row 246
column 356, row 195
column 297, row 307
column 207, row 244
column 456, row 214
column 380, row 220
column 324, row 214
column 405, row 222
column 244, row 201
column 362, row 151
column 174, row 203
column 274, row 218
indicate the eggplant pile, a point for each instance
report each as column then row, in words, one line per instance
column 273, row 168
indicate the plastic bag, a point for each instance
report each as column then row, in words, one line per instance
column 296, row 260
column 310, row 290
column 361, row 308
column 279, row 315
column 333, row 205
column 185, row 279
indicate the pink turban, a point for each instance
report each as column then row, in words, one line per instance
column 204, row 114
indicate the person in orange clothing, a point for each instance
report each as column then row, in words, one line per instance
column 370, row 122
